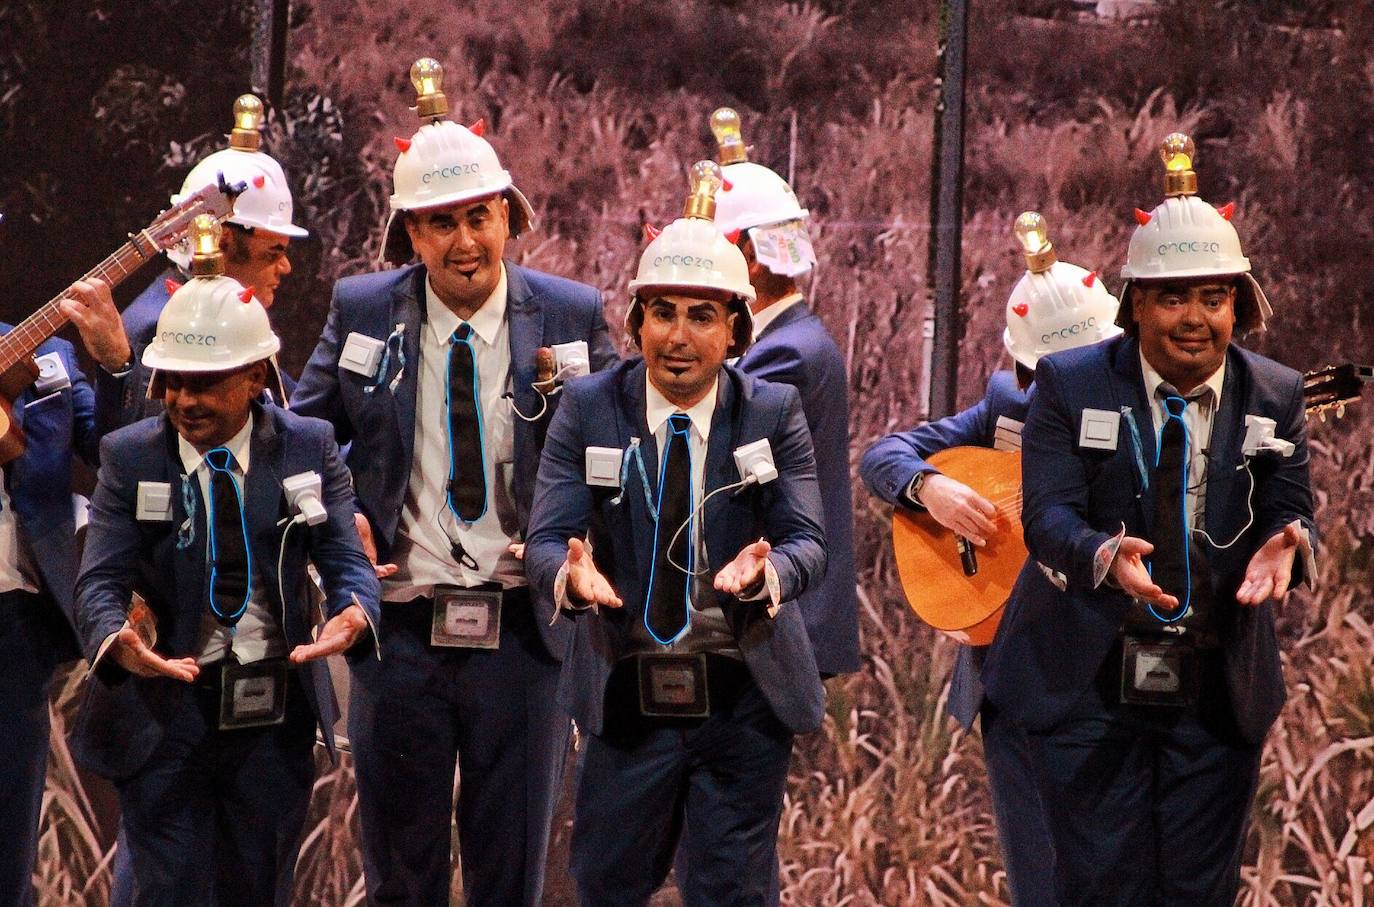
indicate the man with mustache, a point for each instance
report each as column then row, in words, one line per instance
column 1147, row 672
column 430, row 370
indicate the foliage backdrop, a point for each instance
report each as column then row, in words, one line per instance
column 598, row 107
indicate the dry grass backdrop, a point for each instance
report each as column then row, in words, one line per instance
column 598, row 107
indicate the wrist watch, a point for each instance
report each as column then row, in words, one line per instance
column 913, row 490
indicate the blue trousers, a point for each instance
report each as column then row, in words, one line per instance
column 715, row 784
column 422, row 710
column 215, row 817
column 1022, row 830
column 1148, row 805
column 34, row 639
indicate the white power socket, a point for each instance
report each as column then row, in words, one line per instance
column 571, row 360
column 756, row 459
column 303, row 496
column 1259, row 436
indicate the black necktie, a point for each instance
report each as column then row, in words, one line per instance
column 1169, row 566
column 666, row 616
column 228, row 555
column 467, row 479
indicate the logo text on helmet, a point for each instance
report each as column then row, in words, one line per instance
column 456, row 170
column 185, row 339
column 1071, row 330
column 1189, row 246
column 683, row 261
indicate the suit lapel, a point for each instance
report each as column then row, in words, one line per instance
column 634, row 424
column 407, row 309
column 525, row 318
column 262, row 486
column 1128, row 387
column 1223, row 453
column 188, row 564
column 718, row 460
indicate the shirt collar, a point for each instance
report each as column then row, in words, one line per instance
column 1153, row 380
column 238, row 446
column 658, row 408
column 485, row 322
column 766, row 317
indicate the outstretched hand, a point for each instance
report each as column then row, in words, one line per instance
column 744, row 574
column 338, row 634
column 1129, row 572
column 134, row 656
column 586, row 584
column 1271, row 567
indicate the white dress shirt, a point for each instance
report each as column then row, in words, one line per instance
column 709, row 632
column 1203, row 402
column 258, row 633
column 766, row 317
column 17, row 572
column 423, row 550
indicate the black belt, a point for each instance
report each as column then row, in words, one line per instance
column 726, row 680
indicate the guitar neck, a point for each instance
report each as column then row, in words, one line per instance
column 29, row 334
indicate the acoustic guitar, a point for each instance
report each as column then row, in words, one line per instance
column 17, row 367
column 960, row 590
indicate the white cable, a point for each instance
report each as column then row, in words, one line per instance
column 543, row 397
column 281, row 558
column 743, row 483
column 1250, row 508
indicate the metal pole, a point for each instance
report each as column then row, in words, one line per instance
column 947, row 210
column 271, row 18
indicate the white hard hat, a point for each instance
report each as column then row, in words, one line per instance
column 211, row 324
column 1055, row 305
column 691, row 254
column 1185, row 237
column 753, row 196
column 445, row 163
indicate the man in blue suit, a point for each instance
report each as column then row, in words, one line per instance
column 432, row 373
column 1166, row 497
column 206, row 722
column 696, row 671
column 758, row 211
column 1050, row 299
column 37, row 573
column 255, row 244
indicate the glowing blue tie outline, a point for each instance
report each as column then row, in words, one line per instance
column 228, row 620
column 1186, row 603
column 691, row 546
column 454, row 340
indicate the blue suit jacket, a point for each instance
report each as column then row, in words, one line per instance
column 795, row 349
column 607, row 410
column 892, row 462
column 124, row 400
column 39, row 481
column 1051, row 643
column 542, row 310
column 123, row 716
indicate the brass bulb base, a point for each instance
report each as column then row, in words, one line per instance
column 248, row 117
column 701, row 206
column 208, row 265
column 431, row 106
column 245, row 140
column 732, row 153
column 1041, row 260
column 1180, row 182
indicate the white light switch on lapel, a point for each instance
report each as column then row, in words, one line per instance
column 154, row 502
column 603, row 466
column 1098, row 429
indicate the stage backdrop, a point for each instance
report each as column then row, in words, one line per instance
column 598, row 107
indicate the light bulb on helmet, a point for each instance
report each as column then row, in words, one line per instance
column 207, row 260
column 729, row 139
column 705, row 180
column 427, row 75
column 1033, row 233
column 248, row 116
column 1178, row 151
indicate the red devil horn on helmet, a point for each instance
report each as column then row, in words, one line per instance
column 733, row 236
column 651, row 232
column 1088, row 281
column 726, row 185
column 1142, row 217
column 172, row 286
column 1227, row 210
column 259, row 181
column 479, row 128
column 402, row 144
column 246, row 295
